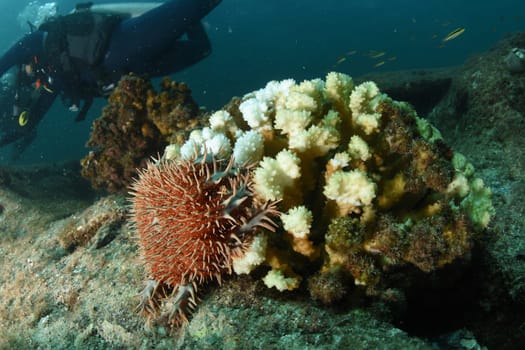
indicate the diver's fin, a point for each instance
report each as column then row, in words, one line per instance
column 132, row 9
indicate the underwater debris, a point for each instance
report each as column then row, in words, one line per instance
column 515, row 60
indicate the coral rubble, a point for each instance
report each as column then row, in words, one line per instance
column 104, row 217
column 136, row 125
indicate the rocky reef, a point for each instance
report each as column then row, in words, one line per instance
column 71, row 272
column 482, row 115
column 136, row 125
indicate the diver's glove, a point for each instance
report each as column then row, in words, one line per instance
column 82, row 113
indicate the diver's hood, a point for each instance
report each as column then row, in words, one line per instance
column 132, row 9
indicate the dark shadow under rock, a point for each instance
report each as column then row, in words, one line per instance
column 423, row 88
column 47, row 182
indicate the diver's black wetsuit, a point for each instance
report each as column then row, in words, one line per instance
column 161, row 41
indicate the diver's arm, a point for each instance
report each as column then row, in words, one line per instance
column 191, row 50
column 143, row 38
column 23, row 51
column 183, row 53
column 198, row 42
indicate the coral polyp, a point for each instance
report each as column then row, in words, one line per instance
column 192, row 218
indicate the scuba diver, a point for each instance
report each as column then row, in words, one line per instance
column 84, row 54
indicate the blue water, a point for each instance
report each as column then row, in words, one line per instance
column 256, row 41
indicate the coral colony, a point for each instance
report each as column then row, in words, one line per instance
column 136, row 123
column 368, row 192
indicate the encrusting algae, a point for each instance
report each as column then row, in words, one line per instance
column 366, row 189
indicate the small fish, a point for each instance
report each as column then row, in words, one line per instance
column 379, row 64
column 340, row 60
column 377, row 54
column 392, row 58
column 351, row 52
column 453, row 34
